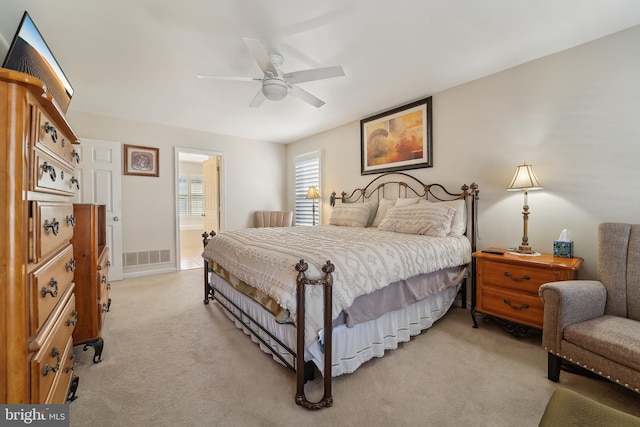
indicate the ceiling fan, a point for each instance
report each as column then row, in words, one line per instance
column 276, row 84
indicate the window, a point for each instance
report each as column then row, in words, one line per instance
column 307, row 174
column 191, row 195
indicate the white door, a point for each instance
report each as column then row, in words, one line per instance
column 210, row 180
column 100, row 176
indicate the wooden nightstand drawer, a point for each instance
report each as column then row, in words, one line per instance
column 516, row 277
column 515, row 306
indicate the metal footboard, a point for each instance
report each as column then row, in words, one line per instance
column 303, row 372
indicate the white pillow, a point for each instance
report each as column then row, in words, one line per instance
column 373, row 206
column 350, row 214
column 383, row 205
column 407, row 201
column 459, row 221
column 422, row 218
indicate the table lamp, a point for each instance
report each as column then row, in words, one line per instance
column 525, row 180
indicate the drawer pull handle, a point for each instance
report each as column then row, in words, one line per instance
column 75, row 155
column 48, row 128
column 54, row 284
column 70, row 219
column 46, row 167
column 53, row 226
column 104, row 279
column 71, row 265
column 515, row 279
column 55, row 353
column 75, row 181
column 515, row 307
column 73, row 321
column 108, row 263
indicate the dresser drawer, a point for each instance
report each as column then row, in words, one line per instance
column 103, row 273
column 49, row 137
column 49, row 361
column 515, row 306
column 50, row 175
column 516, row 277
column 48, row 284
column 53, row 227
column 60, row 387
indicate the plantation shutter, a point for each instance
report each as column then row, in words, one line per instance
column 307, row 174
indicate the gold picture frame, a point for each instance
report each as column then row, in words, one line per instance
column 141, row 161
column 398, row 139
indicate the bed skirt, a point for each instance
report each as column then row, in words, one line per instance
column 351, row 346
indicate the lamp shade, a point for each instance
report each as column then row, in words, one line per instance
column 524, row 179
column 313, row 193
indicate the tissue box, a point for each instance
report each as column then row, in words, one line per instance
column 562, row 249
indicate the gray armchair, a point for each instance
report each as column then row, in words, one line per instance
column 595, row 324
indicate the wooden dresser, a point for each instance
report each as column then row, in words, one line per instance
column 37, row 301
column 91, row 276
column 506, row 287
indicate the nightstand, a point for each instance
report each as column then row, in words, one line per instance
column 506, row 287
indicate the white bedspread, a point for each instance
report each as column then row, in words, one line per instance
column 365, row 259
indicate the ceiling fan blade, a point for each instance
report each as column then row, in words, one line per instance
column 314, row 74
column 260, row 55
column 305, row 96
column 257, row 100
column 234, row 78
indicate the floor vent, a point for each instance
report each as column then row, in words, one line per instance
column 158, row 256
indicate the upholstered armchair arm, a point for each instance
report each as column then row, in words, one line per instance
column 569, row 302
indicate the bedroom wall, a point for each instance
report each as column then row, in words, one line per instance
column 253, row 179
column 573, row 115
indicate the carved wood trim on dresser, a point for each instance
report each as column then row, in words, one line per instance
column 37, row 292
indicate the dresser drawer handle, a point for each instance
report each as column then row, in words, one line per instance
column 46, row 167
column 71, row 265
column 53, row 226
column 74, row 320
column 75, row 181
column 104, row 279
column 75, row 155
column 70, row 219
column 515, row 307
column 52, row 283
column 515, row 279
column 48, row 128
column 55, row 353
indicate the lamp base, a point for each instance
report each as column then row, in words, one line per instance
column 525, row 249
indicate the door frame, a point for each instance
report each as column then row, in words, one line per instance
column 178, row 151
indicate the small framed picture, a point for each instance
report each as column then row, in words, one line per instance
column 141, row 161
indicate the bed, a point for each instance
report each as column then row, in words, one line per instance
column 325, row 299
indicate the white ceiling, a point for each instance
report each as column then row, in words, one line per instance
column 138, row 59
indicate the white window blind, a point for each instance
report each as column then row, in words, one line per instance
column 191, row 195
column 307, row 174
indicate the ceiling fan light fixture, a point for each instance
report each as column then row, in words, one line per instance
column 274, row 90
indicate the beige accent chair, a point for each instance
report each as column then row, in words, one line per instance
column 595, row 324
column 273, row 218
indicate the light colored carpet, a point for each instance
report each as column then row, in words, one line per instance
column 169, row 360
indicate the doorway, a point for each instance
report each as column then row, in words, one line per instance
column 199, row 206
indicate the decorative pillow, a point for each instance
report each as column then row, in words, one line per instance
column 459, row 221
column 372, row 213
column 422, row 218
column 350, row 214
column 383, row 205
column 407, row 201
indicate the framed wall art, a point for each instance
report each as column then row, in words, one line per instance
column 397, row 139
column 141, row 161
